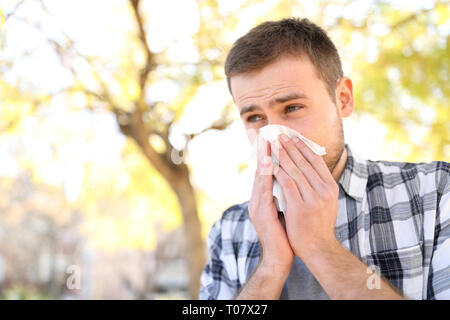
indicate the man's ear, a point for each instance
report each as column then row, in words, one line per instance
column 345, row 101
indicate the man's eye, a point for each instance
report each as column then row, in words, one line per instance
column 293, row 108
column 252, row 118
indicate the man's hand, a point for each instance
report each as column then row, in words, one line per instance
column 312, row 205
column 311, row 196
column 276, row 250
column 277, row 256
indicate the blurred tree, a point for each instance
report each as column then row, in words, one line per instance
column 122, row 89
column 148, row 123
column 401, row 73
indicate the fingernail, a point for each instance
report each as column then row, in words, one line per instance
column 296, row 139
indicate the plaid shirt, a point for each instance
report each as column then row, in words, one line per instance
column 392, row 215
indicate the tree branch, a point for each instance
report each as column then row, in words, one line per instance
column 13, row 11
column 140, row 134
column 222, row 123
column 149, row 64
column 131, row 123
column 396, row 25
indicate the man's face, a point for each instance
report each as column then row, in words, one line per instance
column 289, row 92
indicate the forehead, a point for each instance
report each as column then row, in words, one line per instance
column 285, row 74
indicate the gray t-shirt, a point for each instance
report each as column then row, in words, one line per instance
column 301, row 284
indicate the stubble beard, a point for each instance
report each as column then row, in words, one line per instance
column 334, row 155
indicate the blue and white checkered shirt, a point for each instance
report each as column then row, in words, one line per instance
column 392, row 215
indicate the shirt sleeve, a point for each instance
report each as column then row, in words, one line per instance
column 439, row 277
column 215, row 283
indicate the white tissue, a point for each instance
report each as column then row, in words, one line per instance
column 270, row 133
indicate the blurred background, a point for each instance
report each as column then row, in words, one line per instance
column 120, row 145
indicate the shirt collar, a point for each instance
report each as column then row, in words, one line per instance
column 354, row 177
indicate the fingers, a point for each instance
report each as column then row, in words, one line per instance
column 264, row 155
column 261, row 207
column 289, row 186
column 314, row 160
column 294, row 162
column 263, row 182
column 288, row 167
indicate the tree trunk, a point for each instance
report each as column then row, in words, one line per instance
column 195, row 251
column 177, row 177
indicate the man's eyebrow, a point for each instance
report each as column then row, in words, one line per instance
column 280, row 99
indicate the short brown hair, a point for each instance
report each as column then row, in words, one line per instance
column 272, row 39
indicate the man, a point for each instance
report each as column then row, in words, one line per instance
column 353, row 228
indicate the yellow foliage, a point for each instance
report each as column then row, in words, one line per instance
column 441, row 14
column 128, row 206
column 209, row 211
column 14, row 106
column 2, row 18
column 182, row 100
column 111, row 235
column 130, row 89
